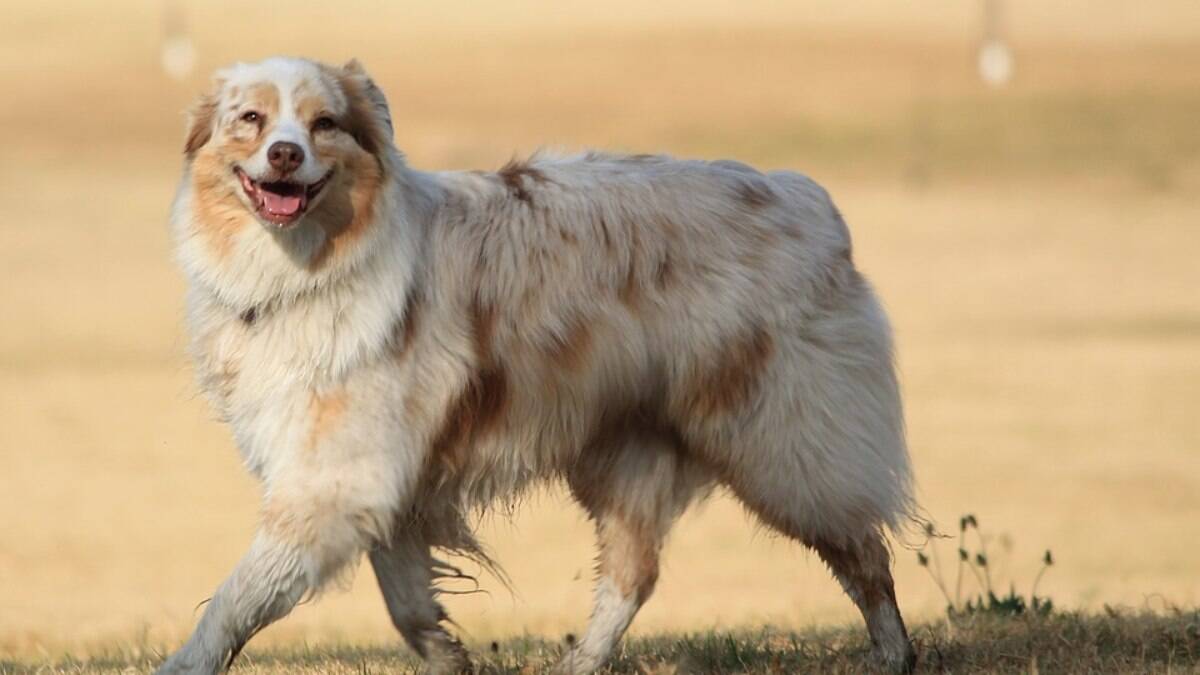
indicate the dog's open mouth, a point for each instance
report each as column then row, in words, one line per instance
column 280, row 202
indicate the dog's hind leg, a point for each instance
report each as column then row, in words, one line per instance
column 633, row 491
column 820, row 456
column 860, row 561
column 405, row 571
column 863, row 568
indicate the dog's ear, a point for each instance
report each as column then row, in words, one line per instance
column 366, row 100
column 201, row 119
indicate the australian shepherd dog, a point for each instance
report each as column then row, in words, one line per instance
column 396, row 350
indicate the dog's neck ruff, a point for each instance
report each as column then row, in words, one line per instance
column 319, row 319
column 260, row 269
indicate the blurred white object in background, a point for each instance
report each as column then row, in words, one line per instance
column 178, row 52
column 995, row 58
column 995, row 63
column 178, row 56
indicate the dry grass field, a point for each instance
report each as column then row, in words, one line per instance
column 1036, row 245
column 1072, row 643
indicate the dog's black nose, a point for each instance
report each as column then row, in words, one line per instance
column 285, row 157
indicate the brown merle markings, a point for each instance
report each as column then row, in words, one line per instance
column 479, row 408
column 349, row 209
column 569, row 350
column 405, row 330
column 309, row 106
column 325, row 411
column 614, row 427
column 629, row 543
column 668, row 225
column 756, row 193
column 794, row 231
column 760, row 243
column 373, row 95
column 752, row 258
column 513, row 175
column 350, row 215
column 265, row 97
column 483, row 330
column 630, row 293
column 364, row 119
column 864, row 570
column 201, row 120
column 220, row 215
column 629, row 555
column 664, row 272
column 602, row 223
column 734, row 377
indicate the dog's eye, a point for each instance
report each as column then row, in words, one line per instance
column 323, row 123
column 251, row 116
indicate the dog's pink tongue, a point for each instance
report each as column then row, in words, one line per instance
column 281, row 205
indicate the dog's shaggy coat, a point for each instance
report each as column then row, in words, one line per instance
column 394, row 349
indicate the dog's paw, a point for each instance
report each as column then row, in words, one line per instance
column 578, row 662
column 445, row 655
column 180, row 665
column 900, row 660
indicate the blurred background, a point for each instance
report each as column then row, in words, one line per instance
column 1022, row 179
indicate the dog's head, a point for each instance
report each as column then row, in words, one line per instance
column 281, row 135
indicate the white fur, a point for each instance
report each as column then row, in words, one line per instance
column 611, row 616
column 643, row 327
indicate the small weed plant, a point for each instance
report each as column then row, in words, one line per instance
column 975, row 563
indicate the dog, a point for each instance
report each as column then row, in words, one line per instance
column 395, row 350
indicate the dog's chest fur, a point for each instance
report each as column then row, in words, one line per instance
column 262, row 367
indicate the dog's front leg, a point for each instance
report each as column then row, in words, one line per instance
column 405, row 571
column 297, row 549
column 330, row 498
column 304, row 540
column 270, row 579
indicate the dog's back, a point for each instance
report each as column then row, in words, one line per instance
column 715, row 303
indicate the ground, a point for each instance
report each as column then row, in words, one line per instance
column 1106, row 643
column 1034, row 244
